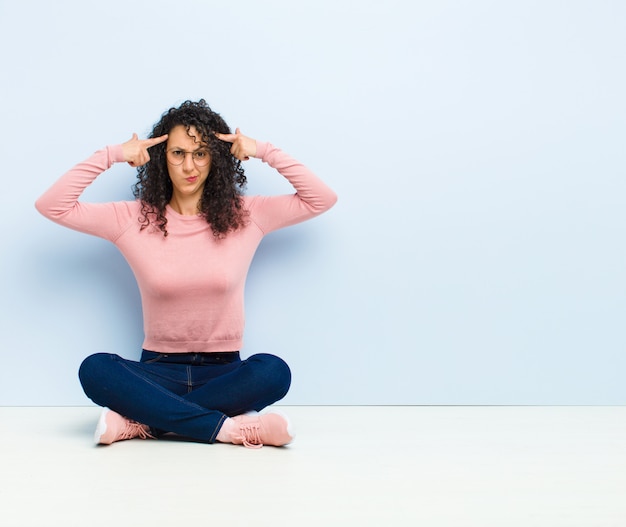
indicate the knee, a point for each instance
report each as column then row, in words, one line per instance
column 92, row 370
column 92, row 364
column 275, row 371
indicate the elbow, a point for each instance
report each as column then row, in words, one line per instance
column 320, row 206
column 333, row 200
column 44, row 208
column 329, row 201
column 41, row 208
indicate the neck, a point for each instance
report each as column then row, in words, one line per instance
column 185, row 206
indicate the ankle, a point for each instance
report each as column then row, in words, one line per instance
column 225, row 434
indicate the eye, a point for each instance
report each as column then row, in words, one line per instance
column 201, row 154
column 178, row 153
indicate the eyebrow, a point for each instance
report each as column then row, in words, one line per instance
column 201, row 147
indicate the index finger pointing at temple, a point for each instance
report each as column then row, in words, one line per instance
column 229, row 138
column 155, row 140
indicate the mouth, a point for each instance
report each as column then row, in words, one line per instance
column 192, row 179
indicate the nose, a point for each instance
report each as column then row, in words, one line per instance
column 188, row 164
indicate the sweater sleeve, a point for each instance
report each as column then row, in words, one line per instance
column 312, row 196
column 60, row 202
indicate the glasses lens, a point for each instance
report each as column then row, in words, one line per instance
column 177, row 157
column 201, row 158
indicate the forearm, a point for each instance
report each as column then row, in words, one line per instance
column 316, row 195
column 60, row 203
column 61, row 199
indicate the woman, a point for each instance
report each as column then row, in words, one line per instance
column 189, row 238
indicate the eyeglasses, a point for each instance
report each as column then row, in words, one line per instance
column 177, row 157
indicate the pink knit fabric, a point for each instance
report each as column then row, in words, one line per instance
column 192, row 285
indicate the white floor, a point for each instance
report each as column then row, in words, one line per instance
column 383, row 466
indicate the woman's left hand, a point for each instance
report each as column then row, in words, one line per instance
column 243, row 147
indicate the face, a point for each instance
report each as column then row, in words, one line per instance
column 188, row 179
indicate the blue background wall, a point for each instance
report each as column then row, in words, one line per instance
column 476, row 255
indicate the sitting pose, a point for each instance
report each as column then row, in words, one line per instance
column 189, row 238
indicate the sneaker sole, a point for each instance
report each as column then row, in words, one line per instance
column 101, row 427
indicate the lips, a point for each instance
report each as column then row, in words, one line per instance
column 192, row 179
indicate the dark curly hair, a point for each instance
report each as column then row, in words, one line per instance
column 222, row 198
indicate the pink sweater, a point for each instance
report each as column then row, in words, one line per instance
column 192, row 285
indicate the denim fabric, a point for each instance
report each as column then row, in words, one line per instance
column 189, row 394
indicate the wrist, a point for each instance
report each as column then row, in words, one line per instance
column 116, row 153
column 261, row 149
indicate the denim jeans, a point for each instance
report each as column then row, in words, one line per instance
column 188, row 394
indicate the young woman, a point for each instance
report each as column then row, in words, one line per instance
column 189, row 238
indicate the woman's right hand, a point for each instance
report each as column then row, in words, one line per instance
column 136, row 150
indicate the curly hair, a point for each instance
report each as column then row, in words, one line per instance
column 222, row 197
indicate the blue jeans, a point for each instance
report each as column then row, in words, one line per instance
column 189, row 394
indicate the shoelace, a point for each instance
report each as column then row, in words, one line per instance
column 251, row 436
column 134, row 429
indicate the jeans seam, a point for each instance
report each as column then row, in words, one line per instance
column 176, row 398
column 218, row 428
column 160, row 388
column 189, row 380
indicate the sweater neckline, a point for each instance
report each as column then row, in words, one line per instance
column 174, row 214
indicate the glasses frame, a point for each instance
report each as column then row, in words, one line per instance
column 193, row 157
